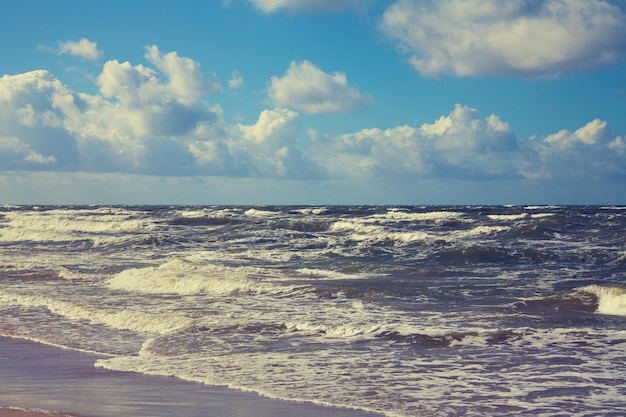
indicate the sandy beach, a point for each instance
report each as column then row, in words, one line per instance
column 40, row 377
column 15, row 412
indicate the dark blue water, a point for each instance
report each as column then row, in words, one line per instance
column 406, row 311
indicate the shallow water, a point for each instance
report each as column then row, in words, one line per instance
column 398, row 310
column 36, row 376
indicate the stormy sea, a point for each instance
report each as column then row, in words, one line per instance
column 402, row 311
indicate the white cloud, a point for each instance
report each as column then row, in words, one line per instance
column 14, row 153
column 145, row 120
column 307, row 88
column 235, row 81
column 31, row 127
column 269, row 146
column 84, row 48
column 591, row 134
column 185, row 75
column 156, row 120
column 592, row 151
column 270, row 6
column 465, row 146
column 538, row 38
column 461, row 144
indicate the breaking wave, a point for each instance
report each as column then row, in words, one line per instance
column 184, row 277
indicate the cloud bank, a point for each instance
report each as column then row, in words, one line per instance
column 464, row 145
column 528, row 38
column 158, row 120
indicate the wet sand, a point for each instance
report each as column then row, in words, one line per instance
column 40, row 377
column 12, row 412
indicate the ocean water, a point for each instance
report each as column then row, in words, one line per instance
column 403, row 311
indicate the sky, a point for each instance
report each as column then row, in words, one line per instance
column 313, row 102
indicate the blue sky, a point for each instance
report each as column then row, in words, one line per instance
column 313, row 102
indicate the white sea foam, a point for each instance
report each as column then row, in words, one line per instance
column 361, row 230
column 508, row 217
column 366, row 230
column 317, row 274
column 124, row 319
column 181, row 276
column 259, row 213
column 611, row 298
column 436, row 216
column 69, row 225
column 312, row 210
column 477, row 231
column 215, row 308
column 340, row 331
column 541, row 215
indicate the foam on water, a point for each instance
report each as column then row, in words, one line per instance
column 611, row 298
column 259, row 213
column 180, row 276
column 70, row 225
column 123, row 319
column 434, row 216
column 406, row 311
column 508, row 217
column 522, row 373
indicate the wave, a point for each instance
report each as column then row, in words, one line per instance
column 434, row 216
column 340, row 331
column 311, row 210
column 253, row 212
column 126, row 319
column 184, row 277
column 99, row 226
column 611, row 298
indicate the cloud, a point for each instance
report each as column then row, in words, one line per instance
column 155, row 119
column 271, row 6
column 528, row 38
column 235, row 81
column 31, row 126
column 461, row 144
column 14, row 154
column 269, row 146
column 592, row 151
column 145, row 120
column 140, row 114
column 311, row 90
column 84, row 48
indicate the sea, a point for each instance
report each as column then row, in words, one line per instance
column 398, row 310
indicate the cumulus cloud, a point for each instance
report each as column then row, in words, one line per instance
column 270, row 6
column 307, row 88
column 530, row 38
column 141, row 113
column 460, row 144
column 269, row 146
column 15, row 154
column 31, row 126
column 592, row 151
column 156, row 119
column 145, row 120
column 464, row 145
column 235, row 81
column 84, row 48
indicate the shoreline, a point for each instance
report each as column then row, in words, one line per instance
column 35, row 377
column 21, row 412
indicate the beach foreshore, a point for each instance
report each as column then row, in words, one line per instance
column 18, row 412
column 35, row 376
